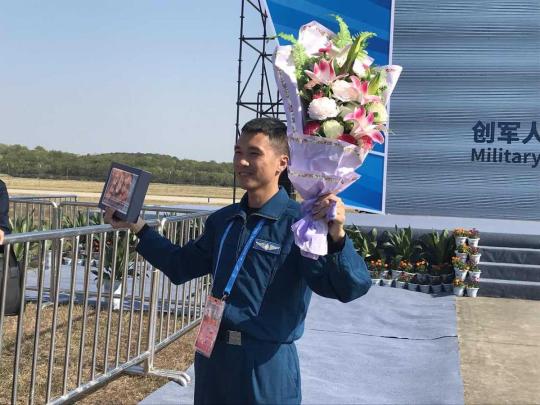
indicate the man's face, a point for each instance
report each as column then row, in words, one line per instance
column 257, row 164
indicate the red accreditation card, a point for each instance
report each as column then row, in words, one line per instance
column 213, row 312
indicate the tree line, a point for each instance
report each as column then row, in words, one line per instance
column 20, row 161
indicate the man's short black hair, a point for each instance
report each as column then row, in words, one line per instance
column 271, row 127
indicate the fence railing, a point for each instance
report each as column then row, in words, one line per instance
column 58, row 198
column 106, row 310
column 55, row 212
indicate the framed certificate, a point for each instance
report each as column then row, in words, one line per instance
column 124, row 191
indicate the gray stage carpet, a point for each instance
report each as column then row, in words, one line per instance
column 390, row 347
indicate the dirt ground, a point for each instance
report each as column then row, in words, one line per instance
column 128, row 389
column 124, row 390
column 499, row 343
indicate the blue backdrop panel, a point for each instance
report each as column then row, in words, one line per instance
column 366, row 15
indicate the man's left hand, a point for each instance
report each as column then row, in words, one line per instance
column 2, row 234
column 335, row 226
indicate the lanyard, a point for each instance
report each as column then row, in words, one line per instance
column 241, row 258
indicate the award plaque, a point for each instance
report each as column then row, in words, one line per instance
column 124, row 191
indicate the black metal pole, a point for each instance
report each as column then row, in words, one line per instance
column 239, row 86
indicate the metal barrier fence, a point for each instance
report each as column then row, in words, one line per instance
column 77, row 335
column 42, row 213
column 58, row 198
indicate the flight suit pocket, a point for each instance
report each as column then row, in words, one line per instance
column 256, row 275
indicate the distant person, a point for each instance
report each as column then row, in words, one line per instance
column 266, row 297
column 5, row 228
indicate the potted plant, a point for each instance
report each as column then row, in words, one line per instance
column 401, row 245
column 378, row 266
column 396, row 272
column 406, row 267
column 438, row 249
column 403, row 278
column 459, row 286
column 472, row 287
column 474, row 255
column 474, row 271
column 460, row 268
column 462, row 251
column 436, row 286
column 473, row 237
column 123, row 263
column 412, row 285
column 448, row 285
column 447, row 274
column 460, row 236
column 25, row 224
column 421, row 269
column 434, row 275
column 424, row 286
column 365, row 244
column 387, row 279
column 375, row 277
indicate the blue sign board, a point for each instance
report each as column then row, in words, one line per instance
column 368, row 193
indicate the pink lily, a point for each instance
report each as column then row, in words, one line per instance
column 367, row 142
column 323, row 73
column 361, row 86
column 363, row 126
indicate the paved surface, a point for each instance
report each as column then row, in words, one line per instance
column 500, row 350
column 390, row 347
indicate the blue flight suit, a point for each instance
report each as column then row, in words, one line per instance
column 268, row 303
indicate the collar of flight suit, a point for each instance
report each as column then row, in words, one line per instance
column 272, row 209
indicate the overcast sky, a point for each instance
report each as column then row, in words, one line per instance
column 120, row 76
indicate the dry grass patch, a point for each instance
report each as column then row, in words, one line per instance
column 177, row 356
column 70, row 186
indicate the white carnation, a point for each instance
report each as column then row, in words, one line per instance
column 332, row 129
column 322, row 108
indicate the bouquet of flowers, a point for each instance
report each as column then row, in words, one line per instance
column 335, row 102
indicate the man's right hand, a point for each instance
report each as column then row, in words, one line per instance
column 2, row 234
column 117, row 224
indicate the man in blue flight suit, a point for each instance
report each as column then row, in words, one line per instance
column 254, row 359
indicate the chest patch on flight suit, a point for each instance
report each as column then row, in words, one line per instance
column 267, row 246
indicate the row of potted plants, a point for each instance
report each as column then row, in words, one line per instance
column 469, row 237
column 470, row 287
column 422, row 262
column 462, row 269
column 428, row 284
column 468, row 253
column 412, row 282
column 466, row 270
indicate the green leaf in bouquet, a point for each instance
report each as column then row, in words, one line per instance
column 343, row 37
column 288, row 37
column 301, row 59
column 377, row 82
column 357, row 48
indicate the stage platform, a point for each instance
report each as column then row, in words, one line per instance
column 390, row 346
column 510, row 249
column 503, row 226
